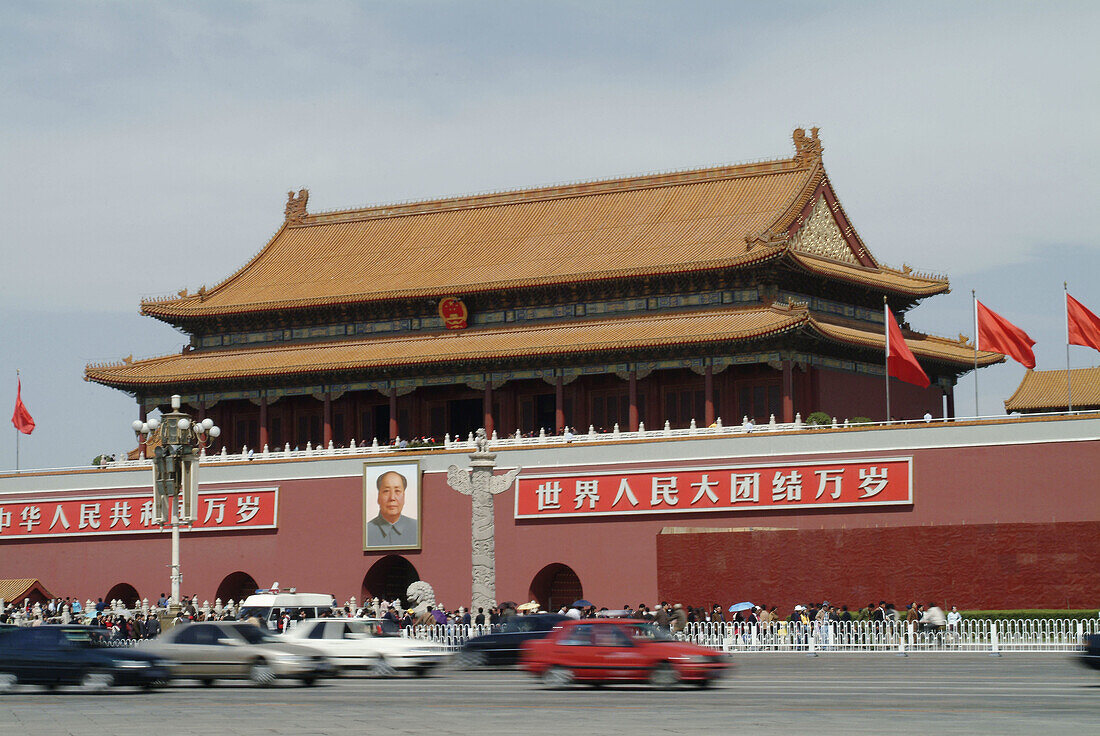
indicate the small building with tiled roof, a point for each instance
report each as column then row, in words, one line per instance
column 725, row 292
column 1054, row 391
column 18, row 590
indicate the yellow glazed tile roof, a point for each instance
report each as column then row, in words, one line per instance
column 957, row 352
column 665, row 223
column 1047, row 390
column 14, row 590
column 558, row 338
column 578, row 337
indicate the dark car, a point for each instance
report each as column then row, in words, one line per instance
column 74, row 655
column 608, row 650
column 503, row 647
column 1090, row 652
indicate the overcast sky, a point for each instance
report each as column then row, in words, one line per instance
column 148, row 147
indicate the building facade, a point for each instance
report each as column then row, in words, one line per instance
column 724, row 293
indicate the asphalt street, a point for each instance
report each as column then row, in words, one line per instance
column 774, row 694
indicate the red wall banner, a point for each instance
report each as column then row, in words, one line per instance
column 844, row 483
column 216, row 511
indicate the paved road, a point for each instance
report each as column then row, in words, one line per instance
column 774, row 694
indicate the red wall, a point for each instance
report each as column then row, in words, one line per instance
column 986, row 566
column 318, row 545
column 847, row 395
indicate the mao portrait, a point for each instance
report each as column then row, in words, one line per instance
column 391, row 506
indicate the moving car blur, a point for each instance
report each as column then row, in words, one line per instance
column 216, row 650
column 74, row 655
column 503, row 648
column 1090, row 651
column 372, row 644
column 615, row 650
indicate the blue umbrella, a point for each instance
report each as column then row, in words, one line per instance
column 746, row 606
column 582, row 603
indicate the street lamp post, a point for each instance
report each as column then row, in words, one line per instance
column 179, row 442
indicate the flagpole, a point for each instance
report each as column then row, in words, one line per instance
column 886, row 326
column 974, row 297
column 16, row 431
column 1069, row 386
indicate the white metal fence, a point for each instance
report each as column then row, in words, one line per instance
column 970, row 635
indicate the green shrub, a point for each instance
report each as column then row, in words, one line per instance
column 819, row 418
column 1031, row 613
column 860, row 420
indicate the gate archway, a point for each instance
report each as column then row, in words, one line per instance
column 236, row 586
column 124, row 592
column 556, row 585
column 389, row 578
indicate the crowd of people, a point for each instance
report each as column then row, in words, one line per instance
column 676, row 617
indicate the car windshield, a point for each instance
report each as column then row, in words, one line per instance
column 527, row 623
column 652, row 632
column 88, row 637
column 253, row 634
column 253, row 612
column 374, row 627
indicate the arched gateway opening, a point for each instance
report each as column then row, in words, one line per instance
column 123, row 592
column 554, row 586
column 389, row 578
column 236, row 586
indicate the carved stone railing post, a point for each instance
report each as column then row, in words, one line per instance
column 481, row 485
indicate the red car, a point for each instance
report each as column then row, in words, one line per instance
column 618, row 650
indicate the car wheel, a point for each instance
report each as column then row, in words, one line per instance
column 308, row 680
column 95, row 681
column 663, row 676
column 422, row 671
column 382, row 668
column 261, row 673
column 471, row 659
column 207, row 681
column 7, row 681
column 557, row 677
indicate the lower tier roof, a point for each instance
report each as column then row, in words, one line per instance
column 420, row 351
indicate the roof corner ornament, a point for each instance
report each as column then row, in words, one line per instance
column 296, row 207
column 807, row 149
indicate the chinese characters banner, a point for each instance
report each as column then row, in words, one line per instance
column 879, row 482
column 225, row 510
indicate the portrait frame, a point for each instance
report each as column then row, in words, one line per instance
column 412, row 509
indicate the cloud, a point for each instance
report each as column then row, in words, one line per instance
column 149, row 147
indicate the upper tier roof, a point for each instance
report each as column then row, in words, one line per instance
column 703, row 219
column 1048, row 391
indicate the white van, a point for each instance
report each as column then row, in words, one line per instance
column 269, row 608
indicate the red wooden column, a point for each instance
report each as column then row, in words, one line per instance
column 327, row 418
column 950, row 392
column 487, row 408
column 708, row 394
column 788, row 393
column 393, row 413
column 263, row 422
column 559, row 406
column 632, row 396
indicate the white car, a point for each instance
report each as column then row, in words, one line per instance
column 370, row 644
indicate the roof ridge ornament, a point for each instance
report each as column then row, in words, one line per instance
column 807, row 149
column 296, row 207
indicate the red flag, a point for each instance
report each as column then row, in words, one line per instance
column 1083, row 325
column 21, row 418
column 997, row 333
column 900, row 361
